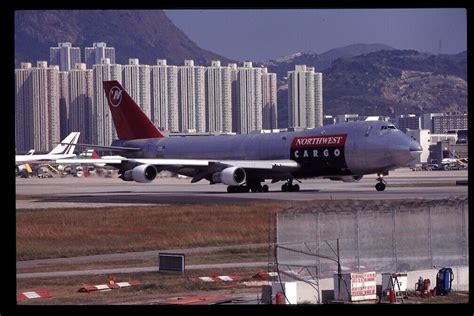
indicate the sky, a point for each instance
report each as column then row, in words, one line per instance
column 264, row 34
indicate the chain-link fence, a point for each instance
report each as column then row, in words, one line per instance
column 382, row 236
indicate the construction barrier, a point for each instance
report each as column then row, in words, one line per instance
column 265, row 275
column 32, row 294
column 235, row 278
column 217, row 278
column 108, row 287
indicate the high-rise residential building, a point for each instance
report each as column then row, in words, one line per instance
column 80, row 101
column 191, row 97
column 103, row 130
column 65, row 56
column 449, row 122
column 136, row 81
column 269, row 100
column 23, row 108
column 64, row 103
column 53, row 105
column 200, row 88
column 318, row 99
column 93, row 55
column 37, row 107
column 248, row 108
column 234, row 97
column 219, row 98
column 164, row 96
column 305, row 101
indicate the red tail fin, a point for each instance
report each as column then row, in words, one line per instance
column 129, row 119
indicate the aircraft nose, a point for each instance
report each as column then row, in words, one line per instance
column 415, row 149
column 403, row 150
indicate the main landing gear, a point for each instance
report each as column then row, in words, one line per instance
column 380, row 186
column 290, row 187
column 255, row 187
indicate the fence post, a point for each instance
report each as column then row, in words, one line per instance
column 430, row 232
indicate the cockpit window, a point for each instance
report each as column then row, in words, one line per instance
column 386, row 127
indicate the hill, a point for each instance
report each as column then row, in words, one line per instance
column 396, row 82
column 391, row 82
column 144, row 34
column 320, row 61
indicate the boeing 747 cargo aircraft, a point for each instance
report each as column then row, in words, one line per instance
column 344, row 152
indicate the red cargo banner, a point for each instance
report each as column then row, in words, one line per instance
column 319, row 141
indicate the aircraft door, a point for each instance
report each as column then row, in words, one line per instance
column 356, row 149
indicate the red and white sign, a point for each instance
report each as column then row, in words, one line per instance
column 363, row 286
column 319, row 141
column 108, row 287
column 32, row 294
column 217, row 278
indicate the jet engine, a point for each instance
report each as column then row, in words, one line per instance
column 141, row 174
column 346, row 178
column 230, row 176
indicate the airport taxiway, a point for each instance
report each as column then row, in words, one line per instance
column 99, row 192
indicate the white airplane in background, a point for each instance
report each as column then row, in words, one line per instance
column 65, row 149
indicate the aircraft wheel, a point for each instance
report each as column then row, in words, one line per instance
column 295, row 188
column 285, row 187
column 230, row 189
column 380, row 186
column 242, row 189
column 265, row 188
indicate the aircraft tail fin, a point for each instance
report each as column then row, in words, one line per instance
column 129, row 119
column 67, row 145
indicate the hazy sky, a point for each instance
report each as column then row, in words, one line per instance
column 260, row 35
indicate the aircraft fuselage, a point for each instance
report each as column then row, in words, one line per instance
column 354, row 148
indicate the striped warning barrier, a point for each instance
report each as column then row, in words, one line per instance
column 108, row 287
column 32, row 294
column 265, row 275
column 218, row 278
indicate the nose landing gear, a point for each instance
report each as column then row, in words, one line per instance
column 380, row 186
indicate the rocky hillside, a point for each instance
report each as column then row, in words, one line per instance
column 396, row 82
column 391, row 82
column 320, row 61
column 144, row 34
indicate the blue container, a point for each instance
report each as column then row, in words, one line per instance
column 444, row 281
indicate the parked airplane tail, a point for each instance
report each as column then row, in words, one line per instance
column 67, row 145
column 129, row 119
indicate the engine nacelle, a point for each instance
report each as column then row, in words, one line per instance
column 346, row 178
column 140, row 174
column 230, row 176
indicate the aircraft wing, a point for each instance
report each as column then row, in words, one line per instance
column 112, row 160
column 282, row 165
column 197, row 168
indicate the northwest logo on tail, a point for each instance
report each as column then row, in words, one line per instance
column 115, row 96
